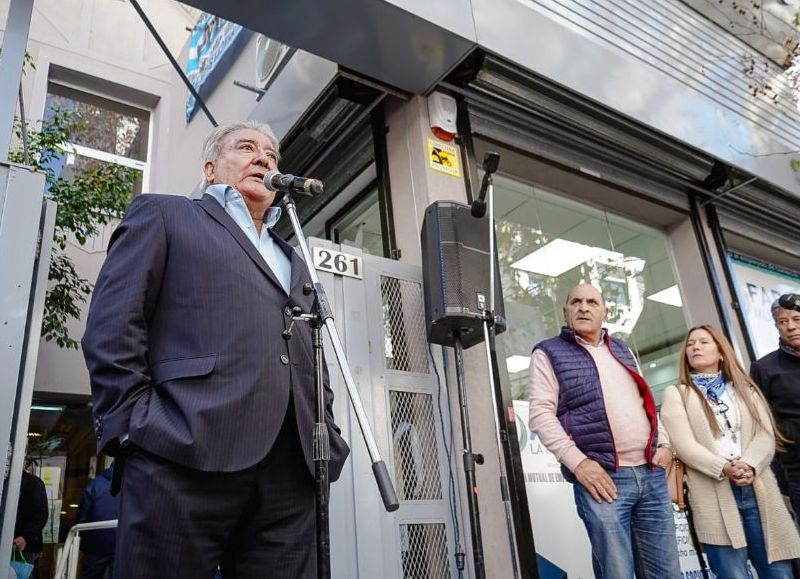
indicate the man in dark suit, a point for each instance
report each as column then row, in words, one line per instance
column 193, row 384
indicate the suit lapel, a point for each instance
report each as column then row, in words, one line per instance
column 218, row 213
column 298, row 265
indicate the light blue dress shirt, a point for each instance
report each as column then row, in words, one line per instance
column 233, row 203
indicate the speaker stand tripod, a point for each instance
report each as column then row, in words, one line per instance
column 470, row 460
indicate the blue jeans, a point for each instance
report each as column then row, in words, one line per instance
column 636, row 532
column 729, row 563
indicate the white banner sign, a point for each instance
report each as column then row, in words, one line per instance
column 758, row 287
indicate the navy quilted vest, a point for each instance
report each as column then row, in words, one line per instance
column 581, row 409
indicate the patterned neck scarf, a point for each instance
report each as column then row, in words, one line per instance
column 712, row 384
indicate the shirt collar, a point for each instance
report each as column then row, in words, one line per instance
column 225, row 194
column 600, row 342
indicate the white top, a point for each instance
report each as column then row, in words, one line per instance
column 729, row 445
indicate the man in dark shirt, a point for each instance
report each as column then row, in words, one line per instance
column 32, row 512
column 778, row 375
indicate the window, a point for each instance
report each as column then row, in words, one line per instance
column 547, row 244
column 114, row 132
column 360, row 225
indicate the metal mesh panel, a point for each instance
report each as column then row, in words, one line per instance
column 416, row 462
column 404, row 325
column 424, row 551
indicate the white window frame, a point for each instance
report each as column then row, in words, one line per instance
column 73, row 149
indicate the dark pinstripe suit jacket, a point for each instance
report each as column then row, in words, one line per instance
column 183, row 341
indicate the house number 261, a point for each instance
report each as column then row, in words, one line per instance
column 337, row 263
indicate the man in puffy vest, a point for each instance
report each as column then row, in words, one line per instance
column 591, row 407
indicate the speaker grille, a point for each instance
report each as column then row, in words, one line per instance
column 455, row 255
column 466, row 277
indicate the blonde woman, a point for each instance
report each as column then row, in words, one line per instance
column 721, row 428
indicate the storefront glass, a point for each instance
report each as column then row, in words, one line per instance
column 758, row 285
column 61, row 451
column 547, row 244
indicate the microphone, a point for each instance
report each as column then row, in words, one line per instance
column 280, row 183
column 790, row 302
column 490, row 162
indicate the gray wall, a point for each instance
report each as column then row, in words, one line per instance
column 102, row 47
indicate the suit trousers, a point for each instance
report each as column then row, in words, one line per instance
column 176, row 522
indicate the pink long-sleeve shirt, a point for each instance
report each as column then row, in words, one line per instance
column 630, row 426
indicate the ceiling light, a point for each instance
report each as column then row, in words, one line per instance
column 670, row 296
column 45, row 408
column 653, row 364
column 559, row 256
column 517, row 363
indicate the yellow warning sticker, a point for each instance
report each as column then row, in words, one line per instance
column 443, row 157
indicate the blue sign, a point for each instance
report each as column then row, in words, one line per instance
column 214, row 46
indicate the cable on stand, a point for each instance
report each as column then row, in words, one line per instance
column 470, row 460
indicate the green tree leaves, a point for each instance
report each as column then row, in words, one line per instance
column 95, row 195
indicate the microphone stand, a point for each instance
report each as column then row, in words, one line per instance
column 490, row 164
column 323, row 316
column 321, row 448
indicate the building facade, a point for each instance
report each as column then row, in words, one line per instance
column 649, row 150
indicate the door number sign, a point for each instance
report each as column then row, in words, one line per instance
column 338, row 263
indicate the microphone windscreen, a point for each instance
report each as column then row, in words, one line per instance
column 478, row 208
column 314, row 186
column 269, row 180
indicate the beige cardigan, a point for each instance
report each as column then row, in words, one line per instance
column 711, row 499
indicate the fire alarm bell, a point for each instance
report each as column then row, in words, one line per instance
column 442, row 115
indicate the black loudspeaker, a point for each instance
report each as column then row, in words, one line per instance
column 455, row 274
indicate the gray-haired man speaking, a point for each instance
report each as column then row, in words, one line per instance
column 194, row 388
